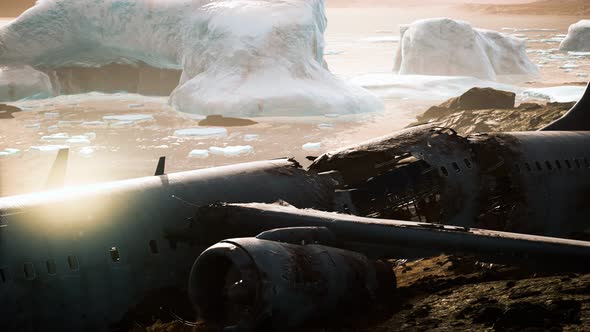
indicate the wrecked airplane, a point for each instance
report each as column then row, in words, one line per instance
column 77, row 258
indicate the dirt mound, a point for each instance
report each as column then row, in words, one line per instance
column 6, row 111
column 465, row 115
column 474, row 99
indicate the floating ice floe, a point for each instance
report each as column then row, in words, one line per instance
column 333, row 52
column 135, row 106
column 231, row 151
column 33, row 125
column 49, row 148
column 200, row 154
column 56, row 137
column 332, row 115
column 561, row 94
column 86, row 151
column 122, row 123
column 325, row 126
column 78, row 140
column 578, row 37
column 53, row 128
column 51, row 115
column 8, row 152
column 569, row 65
column 311, row 146
column 250, row 137
column 67, row 124
column 128, row 117
column 164, row 146
column 95, row 124
column 579, row 53
column 220, row 46
column 442, row 46
column 202, row 132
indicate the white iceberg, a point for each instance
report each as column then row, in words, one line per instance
column 578, row 37
column 238, row 58
column 447, row 47
column 203, row 132
column 78, row 140
column 231, row 151
column 200, row 154
column 560, row 94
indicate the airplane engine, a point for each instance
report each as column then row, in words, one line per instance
column 256, row 284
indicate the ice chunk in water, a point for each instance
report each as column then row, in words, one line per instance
column 86, row 151
column 201, row 154
column 561, row 94
column 56, row 137
column 49, row 148
column 312, row 146
column 202, row 132
column 9, row 152
column 128, row 117
column 231, row 151
column 250, row 137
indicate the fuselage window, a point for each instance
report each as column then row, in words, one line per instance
column 548, row 164
column 538, row 164
column 444, row 171
column 467, row 162
column 558, row 164
column 73, row 263
column 568, row 164
column 29, row 270
column 51, row 269
column 528, row 167
column 154, row 247
column 114, row 252
column 456, row 167
column 586, row 163
column 577, row 161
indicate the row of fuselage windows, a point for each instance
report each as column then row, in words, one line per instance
column 530, row 167
column 30, row 273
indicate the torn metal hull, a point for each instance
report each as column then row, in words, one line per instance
column 529, row 182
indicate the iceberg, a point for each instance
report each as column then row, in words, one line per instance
column 236, row 57
column 578, row 37
column 446, row 47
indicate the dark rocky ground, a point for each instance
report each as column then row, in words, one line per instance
column 448, row 293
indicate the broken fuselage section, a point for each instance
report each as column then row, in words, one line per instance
column 525, row 182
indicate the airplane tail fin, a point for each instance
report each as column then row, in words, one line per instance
column 576, row 119
column 57, row 175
